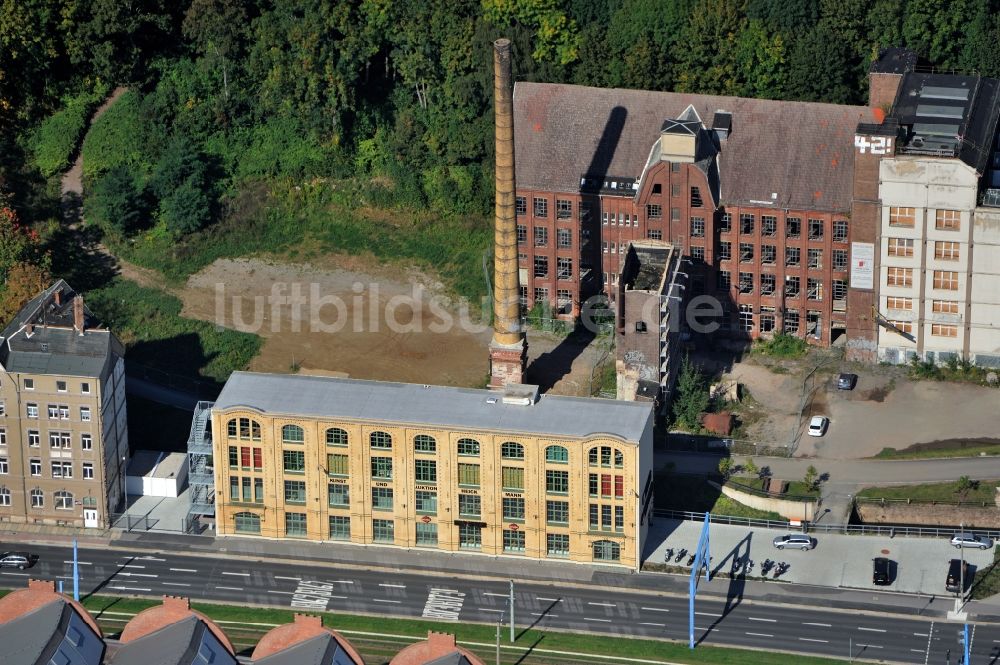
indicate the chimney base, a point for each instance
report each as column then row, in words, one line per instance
column 508, row 364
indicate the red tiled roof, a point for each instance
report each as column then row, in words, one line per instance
column 303, row 628
column 802, row 151
column 172, row 610
column 38, row 594
column 437, row 645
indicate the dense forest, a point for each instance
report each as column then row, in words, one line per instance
column 254, row 125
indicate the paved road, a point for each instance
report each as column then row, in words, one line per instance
column 731, row 622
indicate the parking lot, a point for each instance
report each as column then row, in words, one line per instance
column 837, row 561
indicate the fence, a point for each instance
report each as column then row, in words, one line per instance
column 925, row 502
column 843, row 529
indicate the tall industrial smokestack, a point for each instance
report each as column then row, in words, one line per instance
column 508, row 350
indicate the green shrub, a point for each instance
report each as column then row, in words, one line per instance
column 281, row 148
column 57, row 138
column 117, row 202
column 118, row 137
column 782, row 346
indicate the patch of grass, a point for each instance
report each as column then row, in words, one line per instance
column 976, row 491
column 949, row 448
column 284, row 218
column 987, row 581
column 952, row 370
column 148, row 321
column 530, row 645
column 796, row 488
column 782, row 346
column 693, row 493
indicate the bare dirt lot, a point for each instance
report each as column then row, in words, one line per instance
column 886, row 408
column 354, row 317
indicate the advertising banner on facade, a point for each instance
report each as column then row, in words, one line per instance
column 862, row 265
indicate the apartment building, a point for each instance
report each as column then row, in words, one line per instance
column 938, row 243
column 63, row 429
column 498, row 473
column 757, row 193
column 649, row 322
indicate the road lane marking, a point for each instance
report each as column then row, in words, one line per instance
column 443, row 604
column 384, row 600
column 80, row 563
column 342, row 582
column 495, row 595
column 917, row 650
column 920, row 635
column 151, row 558
column 237, row 574
column 183, row 570
column 759, row 634
column 822, row 625
column 809, row 639
column 549, row 600
column 759, row 619
column 176, row 584
column 603, row 604
column 18, row 574
column 487, row 609
column 540, row 614
column 134, row 575
column 655, row 625
column 394, row 586
column 282, row 577
column 230, row 588
column 708, row 614
column 601, row 620
column 872, row 630
column 130, row 565
column 870, row 646
column 284, row 593
column 655, row 609
column 128, row 588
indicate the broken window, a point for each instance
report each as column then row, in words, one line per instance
column 521, row 205
column 564, row 268
column 839, row 289
column 746, row 317
column 814, row 289
column 791, row 321
column 697, row 227
column 768, row 225
column 746, row 252
column 725, row 251
column 840, row 230
column 541, row 207
column 840, row 259
column 564, row 209
column 815, row 229
column 564, row 238
column 724, row 279
column 695, row 198
column 746, row 282
column 768, row 255
column 814, row 323
column 815, row 258
column 767, row 284
column 792, row 287
column 746, row 223
column 541, row 266
column 725, row 222
column 654, row 211
column 792, row 256
column 522, row 234
column 793, row 227
column 766, row 319
column 541, row 236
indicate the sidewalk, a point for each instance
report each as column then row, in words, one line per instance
column 471, row 565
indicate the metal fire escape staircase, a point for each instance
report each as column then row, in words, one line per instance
column 201, row 476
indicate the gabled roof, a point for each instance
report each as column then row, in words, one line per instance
column 52, row 633
column 803, row 152
column 189, row 641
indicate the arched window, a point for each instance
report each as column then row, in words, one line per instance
column 511, row 450
column 37, row 498
column 243, row 428
column 556, row 454
column 606, row 550
column 605, row 456
column 247, row 523
column 382, row 440
column 4, row 496
column 592, row 456
column 64, row 500
column 619, row 459
column 336, row 437
column 468, row 447
column 424, row 444
column 292, row 434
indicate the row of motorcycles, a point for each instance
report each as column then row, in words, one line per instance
column 742, row 566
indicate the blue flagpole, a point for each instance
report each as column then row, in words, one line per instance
column 76, row 574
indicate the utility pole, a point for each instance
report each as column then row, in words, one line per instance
column 499, row 623
column 961, row 573
column 512, row 611
column 76, row 573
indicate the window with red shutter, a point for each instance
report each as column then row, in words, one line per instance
column 258, row 462
column 245, row 457
column 619, row 487
column 605, row 484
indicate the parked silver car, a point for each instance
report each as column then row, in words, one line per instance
column 794, row 541
column 19, row 560
column 971, row 540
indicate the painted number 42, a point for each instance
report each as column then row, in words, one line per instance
column 878, row 145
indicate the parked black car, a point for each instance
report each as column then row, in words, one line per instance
column 881, row 571
column 958, row 573
column 847, row 381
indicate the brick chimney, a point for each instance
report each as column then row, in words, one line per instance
column 177, row 603
column 308, row 620
column 440, row 643
column 42, row 585
column 508, row 349
column 78, row 321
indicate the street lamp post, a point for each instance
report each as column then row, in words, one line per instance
column 499, row 624
column 512, row 611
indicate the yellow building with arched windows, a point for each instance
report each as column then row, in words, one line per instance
column 415, row 466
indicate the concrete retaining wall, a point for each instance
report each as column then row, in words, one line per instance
column 925, row 514
column 793, row 510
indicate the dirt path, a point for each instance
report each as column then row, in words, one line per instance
column 72, row 181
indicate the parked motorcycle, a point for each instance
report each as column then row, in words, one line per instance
column 680, row 555
column 668, row 555
column 765, row 567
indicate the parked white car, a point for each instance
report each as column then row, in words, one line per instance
column 818, row 425
column 971, row 540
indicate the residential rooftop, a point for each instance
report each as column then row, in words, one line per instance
column 785, row 154
column 425, row 405
column 45, row 337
